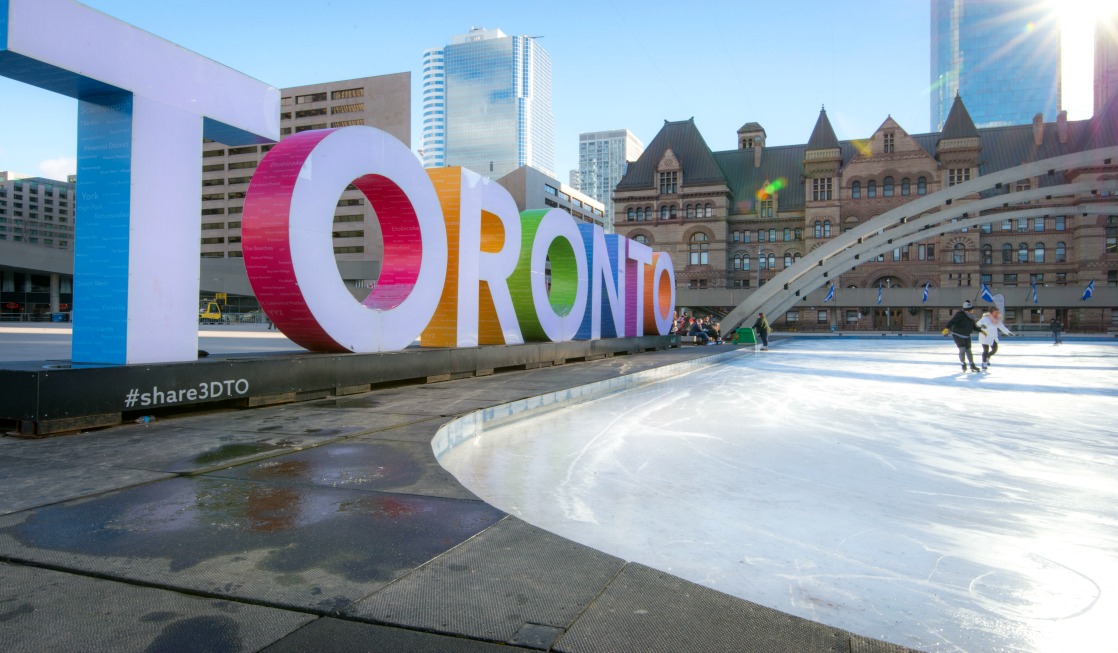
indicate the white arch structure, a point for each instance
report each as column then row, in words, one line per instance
column 905, row 225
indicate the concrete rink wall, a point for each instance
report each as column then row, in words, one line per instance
column 863, row 483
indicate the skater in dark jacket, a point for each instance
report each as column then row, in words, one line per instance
column 1057, row 327
column 761, row 326
column 961, row 326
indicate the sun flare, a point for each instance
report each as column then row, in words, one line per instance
column 1077, row 52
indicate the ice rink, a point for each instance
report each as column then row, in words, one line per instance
column 863, row 483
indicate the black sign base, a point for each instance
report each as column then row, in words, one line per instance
column 52, row 397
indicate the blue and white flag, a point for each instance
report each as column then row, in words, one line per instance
column 830, row 294
column 986, row 294
column 878, row 293
column 1035, row 300
column 1089, row 290
column 925, row 293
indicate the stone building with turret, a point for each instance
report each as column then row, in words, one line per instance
column 732, row 220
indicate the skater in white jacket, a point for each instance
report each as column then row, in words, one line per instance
column 991, row 323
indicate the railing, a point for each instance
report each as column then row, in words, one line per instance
column 33, row 317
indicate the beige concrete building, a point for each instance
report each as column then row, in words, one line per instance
column 36, row 246
column 383, row 102
column 534, row 189
column 732, row 220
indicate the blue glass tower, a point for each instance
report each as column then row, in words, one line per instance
column 1001, row 56
column 498, row 103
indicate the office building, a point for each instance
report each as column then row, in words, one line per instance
column 1106, row 59
column 36, row 210
column 576, row 180
column 498, row 103
column 603, row 159
column 434, row 109
column 534, row 189
column 383, row 102
column 732, row 220
column 36, row 241
column 1003, row 56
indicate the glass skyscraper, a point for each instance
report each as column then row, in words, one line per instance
column 1001, row 56
column 498, row 104
column 603, row 159
column 434, row 109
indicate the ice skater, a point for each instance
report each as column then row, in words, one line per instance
column 1057, row 328
column 761, row 326
column 990, row 324
column 961, row 326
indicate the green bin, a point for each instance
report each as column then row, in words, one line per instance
column 744, row 336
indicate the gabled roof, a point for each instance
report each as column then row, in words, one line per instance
column 823, row 136
column 1001, row 148
column 693, row 153
column 959, row 123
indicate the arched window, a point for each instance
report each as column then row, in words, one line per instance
column 987, row 254
column 921, row 185
column 787, row 259
column 1061, row 252
column 826, row 228
column 1007, row 253
column 663, row 213
column 745, row 262
column 761, row 262
column 871, row 189
column 737, row 261
column 856, row 190
column 699, row 249
column 1023, row 253
column 958, row 253
column 887, row 187
column 672, row 213
column 906, row 187
column 709, row 211
column 641, row 238
column 690, row 211
column 772, row 261
column 648, row 214
column 796, row 257
column 632, row 214
column 1038, row 253
column 818, row 229
column 640, row 214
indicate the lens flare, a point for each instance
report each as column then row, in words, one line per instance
column 771, row 188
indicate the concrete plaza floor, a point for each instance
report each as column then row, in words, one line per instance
column 328, row 525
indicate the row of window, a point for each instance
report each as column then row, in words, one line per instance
column 63, row 244
column 888, row 187
column 764, row 261
column 1008, row 253
column 1059, row 223
column 770, row 235
column 643, row 214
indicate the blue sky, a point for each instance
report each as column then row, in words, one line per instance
column 616, row 63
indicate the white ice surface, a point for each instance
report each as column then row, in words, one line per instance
column 862, row 483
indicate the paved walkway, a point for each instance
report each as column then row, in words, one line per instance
column 329, row 526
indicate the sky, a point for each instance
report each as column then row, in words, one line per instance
column 616, row 64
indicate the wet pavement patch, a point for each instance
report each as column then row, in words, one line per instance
column 44, row 610
column 339, row 636
column 370, row 466
column 288, row 545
